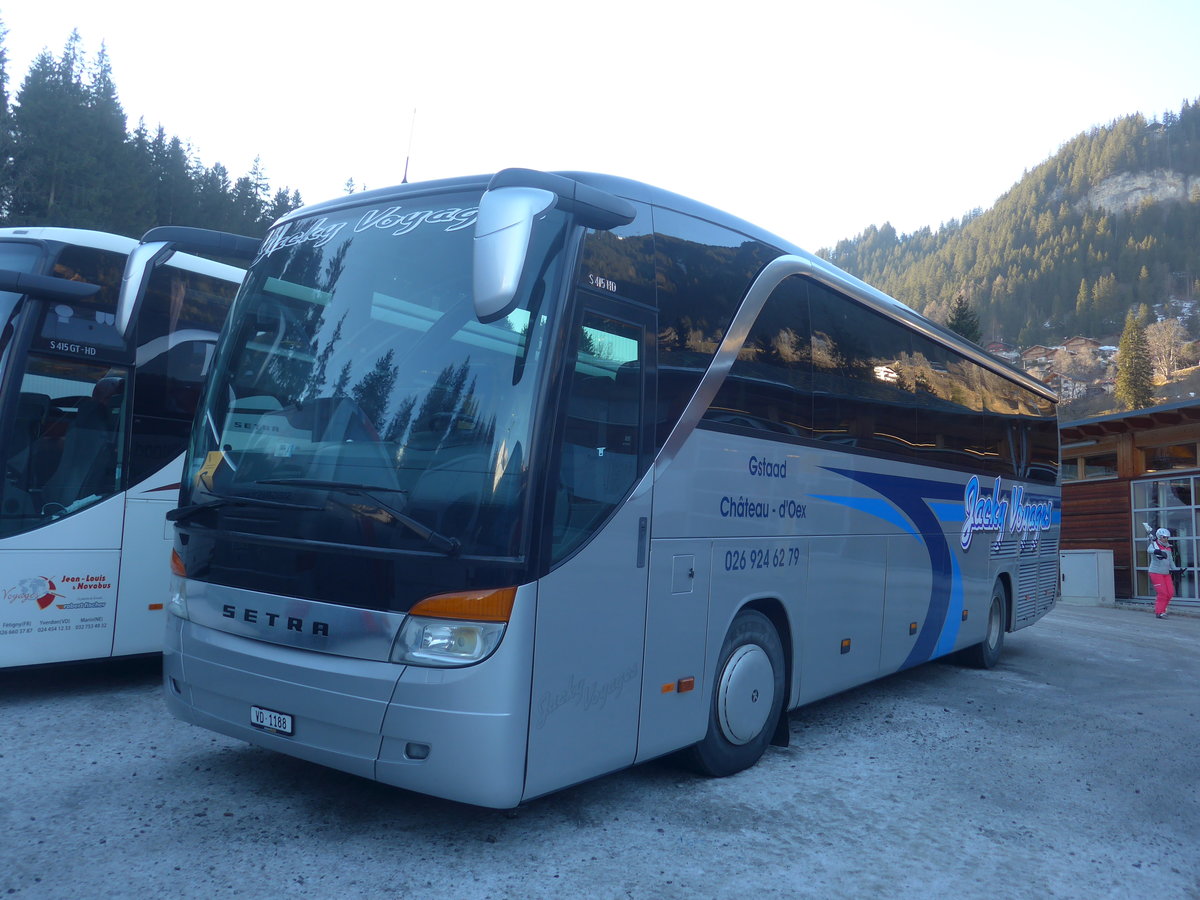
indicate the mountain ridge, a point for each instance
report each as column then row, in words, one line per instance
column 1110, row 221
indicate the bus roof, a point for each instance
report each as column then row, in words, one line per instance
column 116, row 243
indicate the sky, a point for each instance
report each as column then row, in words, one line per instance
column 813, row 120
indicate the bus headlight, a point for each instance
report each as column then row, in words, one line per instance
column 177, row 604
column 454, row 629
column 437, row 642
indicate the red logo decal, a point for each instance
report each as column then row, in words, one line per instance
column 47, row 598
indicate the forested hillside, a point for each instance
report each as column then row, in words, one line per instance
column 68, row 158
column 1112, row 220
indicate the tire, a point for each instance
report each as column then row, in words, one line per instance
column 986, row 654
column 747, row 698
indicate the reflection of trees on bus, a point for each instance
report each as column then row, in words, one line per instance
column 316, row 380
column 448, row 412
column 374, row 389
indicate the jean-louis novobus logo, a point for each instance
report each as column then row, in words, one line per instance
column 991, row 511
column 37, row 589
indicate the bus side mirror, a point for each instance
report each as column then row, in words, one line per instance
column 156, row 248
column 46, row 287
column 502, row 231
column 142, row 260
column 507, row 210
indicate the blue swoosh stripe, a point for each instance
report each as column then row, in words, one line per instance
column 912, row 497
column 878, row 508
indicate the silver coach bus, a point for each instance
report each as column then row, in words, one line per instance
column 500, row 484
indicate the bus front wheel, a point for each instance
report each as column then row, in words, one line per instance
column 747, row 698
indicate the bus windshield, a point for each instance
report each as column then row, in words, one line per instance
column 360, row 391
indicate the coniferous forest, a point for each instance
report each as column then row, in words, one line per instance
column 68, row 158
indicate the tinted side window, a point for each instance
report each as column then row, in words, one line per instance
column 1038, row 458
column 620, row 261
column 65, row 446
column 703, row 272
column 769, row 387
column 90, row 321
column 177, row 331
column 601, row 453
column 864, row 379
column 953, row 429
column 101, row 267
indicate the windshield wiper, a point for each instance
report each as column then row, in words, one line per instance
column 183, row 513
column 440, row 542
column 348, row 486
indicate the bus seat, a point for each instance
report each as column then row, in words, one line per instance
column 88, row 457
column 31, row 417
column 31, row 412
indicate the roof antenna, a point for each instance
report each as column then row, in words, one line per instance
column 411, row 128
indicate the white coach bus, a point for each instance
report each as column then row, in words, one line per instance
column 94, row 419
column 502, row 484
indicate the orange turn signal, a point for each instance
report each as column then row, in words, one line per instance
column 177, row 566
column 476, row 606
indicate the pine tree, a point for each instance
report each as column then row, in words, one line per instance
column 963, row 320
column 72, row 155
column 6, row 142
column 1134, row 386
column 45, row 153
column 117, row 196
column 281, row 204
column 249, row 196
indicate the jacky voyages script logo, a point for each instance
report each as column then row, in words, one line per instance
column 1014, row 513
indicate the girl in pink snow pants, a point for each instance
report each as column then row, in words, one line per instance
column 1162, row 562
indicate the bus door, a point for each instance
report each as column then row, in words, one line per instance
column 176, row 330
column 587, row 668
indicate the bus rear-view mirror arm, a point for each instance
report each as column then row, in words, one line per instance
column 46, row 287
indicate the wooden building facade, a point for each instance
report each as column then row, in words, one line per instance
column 1123, row 470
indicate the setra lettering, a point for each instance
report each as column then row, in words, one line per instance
column 275, row 620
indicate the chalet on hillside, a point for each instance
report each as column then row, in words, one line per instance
column 1037, row 355
column 1003, row 350
column 1065, row 386
column 1121, row 470
column 1078, row 343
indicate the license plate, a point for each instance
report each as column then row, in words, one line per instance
column 269, row 720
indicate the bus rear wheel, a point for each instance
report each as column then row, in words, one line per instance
column 747, row 698
column 986, row 654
